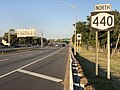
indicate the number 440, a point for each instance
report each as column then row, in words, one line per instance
column 106, row 21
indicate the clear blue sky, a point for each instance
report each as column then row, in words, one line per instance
column 49, row 16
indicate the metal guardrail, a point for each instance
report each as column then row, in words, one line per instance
column 77, row 79
column 8, row 50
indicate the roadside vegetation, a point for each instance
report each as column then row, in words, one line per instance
column 87, row 60
column 87, row 55
column 88, row 35
column 23, row 41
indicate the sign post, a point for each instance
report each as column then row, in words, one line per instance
column 96, row 58
column 108, row 64
column 79, row 37
column 102, row 20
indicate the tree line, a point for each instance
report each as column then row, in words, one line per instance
column 88, row 36
column 25, row 41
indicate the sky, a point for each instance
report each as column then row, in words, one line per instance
column 49, row 16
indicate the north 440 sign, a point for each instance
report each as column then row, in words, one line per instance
column 102, row 20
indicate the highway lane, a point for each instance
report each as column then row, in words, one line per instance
column 16, row 60
column 34, row 70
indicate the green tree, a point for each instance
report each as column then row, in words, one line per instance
column 13, row 37
column 88, row 36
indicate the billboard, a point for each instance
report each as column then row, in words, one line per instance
column 26, row 32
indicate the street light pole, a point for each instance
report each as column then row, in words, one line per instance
column 75, row 30
column 75, row 7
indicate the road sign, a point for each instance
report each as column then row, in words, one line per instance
column 102, row 20
column 79, row 37
column 102, row 7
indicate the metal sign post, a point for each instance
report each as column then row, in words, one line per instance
column 79, row 37
column 79, row 47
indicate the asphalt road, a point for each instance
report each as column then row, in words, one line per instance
column 42, row 69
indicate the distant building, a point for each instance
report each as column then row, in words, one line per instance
column 26, row 32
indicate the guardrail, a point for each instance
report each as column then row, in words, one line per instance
column 77, row 79
column 8, row 50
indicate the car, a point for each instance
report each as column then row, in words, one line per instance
column 56, row 45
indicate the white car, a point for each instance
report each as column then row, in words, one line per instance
column 56, row 45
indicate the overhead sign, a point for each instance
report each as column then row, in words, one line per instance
column 102, row 20
column 79, row 36
column 102, row 7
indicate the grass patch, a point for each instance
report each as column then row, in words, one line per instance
column 87, row 60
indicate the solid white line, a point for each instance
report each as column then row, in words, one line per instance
column 61, row 53
column 39, row 59
column 7, row 73
column 71, row 76
column 4, row 75
column 40, row 75
column 4, row 60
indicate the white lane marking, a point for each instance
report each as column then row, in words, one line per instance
column 7, row 73
column 4, row 75
column 3, row 60
column 40, row 75
column 39, row 60
column 61, row 53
